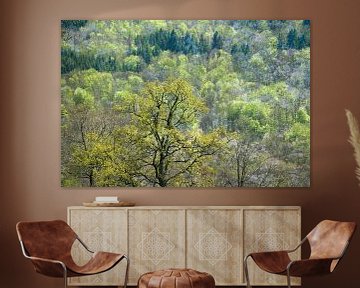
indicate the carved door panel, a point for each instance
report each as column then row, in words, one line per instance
column 270, row 229
column 156, row 240
column 214, row 244
column 101, row 230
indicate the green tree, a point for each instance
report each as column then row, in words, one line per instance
column 173, row 44
column 204, row 44
column 99, row 84
column 250, row 118
column 170, row 148
column 132, row 63
column 217, row 41
column 292, row 39
column 189, row 45
column 70, row 28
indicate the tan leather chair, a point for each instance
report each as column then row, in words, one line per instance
column 328, row 242
column 48, row 245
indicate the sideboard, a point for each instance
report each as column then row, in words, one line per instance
column 213, row 239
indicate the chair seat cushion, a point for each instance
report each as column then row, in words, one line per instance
column 176, row 278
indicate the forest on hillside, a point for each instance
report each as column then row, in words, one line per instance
column 185, row 103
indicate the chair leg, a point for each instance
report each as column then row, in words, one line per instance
column 246, row 272
column 288, row 278
column 65, row 276
column 126, row 271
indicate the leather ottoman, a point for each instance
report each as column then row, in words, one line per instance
column 176, row 278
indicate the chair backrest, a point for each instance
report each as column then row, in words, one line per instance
column 46, row 239
column 329, row 239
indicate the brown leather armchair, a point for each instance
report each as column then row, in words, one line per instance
column 48, row 245
column 328, row 242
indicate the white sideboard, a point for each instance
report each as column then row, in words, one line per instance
column 212, row 239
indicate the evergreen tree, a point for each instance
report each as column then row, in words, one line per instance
column 292, row 39
column 217, row 41
column 302, row 42
column 204, row 45
column 306, row 23
column 173, row 42
column 73, row 24
column 189, row 45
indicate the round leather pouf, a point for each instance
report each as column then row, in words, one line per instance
column 176, row 278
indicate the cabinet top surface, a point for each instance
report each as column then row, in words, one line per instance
column 192, row 207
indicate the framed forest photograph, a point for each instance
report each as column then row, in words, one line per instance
column 185, row 103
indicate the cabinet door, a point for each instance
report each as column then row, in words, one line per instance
column 156, row 240
column 101, row 230
column 269, row 230
column 214, row 244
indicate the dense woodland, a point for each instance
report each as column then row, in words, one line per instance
column 195, row 103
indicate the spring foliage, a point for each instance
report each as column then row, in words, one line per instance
column 195, row 103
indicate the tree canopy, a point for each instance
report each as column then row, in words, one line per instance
column 185, row 103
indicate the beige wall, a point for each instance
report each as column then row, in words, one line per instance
column 30, row 118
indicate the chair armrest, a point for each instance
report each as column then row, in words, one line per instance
column 309, row 267
column 84, row 245
column 267, row 254
column 298, row 246
column 46, row 260
column 48, row 267
column 281, row 251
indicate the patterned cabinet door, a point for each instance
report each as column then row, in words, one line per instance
column 267, row 230
column 214, row 244
column 101, row 230
column 156, row 240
